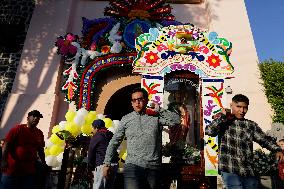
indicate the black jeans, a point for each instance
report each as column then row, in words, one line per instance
column 136, row 177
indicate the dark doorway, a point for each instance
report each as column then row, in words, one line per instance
column 119, row 103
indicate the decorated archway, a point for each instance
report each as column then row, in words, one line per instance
column 107, row 42
column 143, row 34
column 186, row 47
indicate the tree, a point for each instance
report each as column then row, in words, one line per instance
column 272, row 75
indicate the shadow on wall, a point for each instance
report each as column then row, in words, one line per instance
column 39, row 61
column 14, row 22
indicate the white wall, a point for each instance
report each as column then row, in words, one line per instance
column 230, row 20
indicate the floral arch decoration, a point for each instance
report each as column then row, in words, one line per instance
column 107, row 42
column 183, row 47
column 186, row 47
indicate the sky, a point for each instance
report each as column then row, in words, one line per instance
column 267, row 25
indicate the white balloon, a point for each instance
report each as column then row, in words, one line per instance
column 50, row 160
column 100, row 116
column 60, row 157
column 82, row 112
column 79, row 120
column 56, row 163
column 116, row 123
column 62, row 124
column 48, row 143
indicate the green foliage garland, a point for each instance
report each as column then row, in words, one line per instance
column 272, row 75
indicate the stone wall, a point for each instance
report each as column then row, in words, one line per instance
column 15, row 17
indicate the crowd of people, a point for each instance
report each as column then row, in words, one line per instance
column 142, row 128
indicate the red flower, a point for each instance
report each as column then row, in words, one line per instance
column 213, row 60
column 151, row 58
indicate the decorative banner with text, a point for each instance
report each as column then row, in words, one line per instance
column 212, row 102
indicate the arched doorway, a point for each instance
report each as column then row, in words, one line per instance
column 119, row 103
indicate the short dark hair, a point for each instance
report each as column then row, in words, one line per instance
column 98, row 124
column 145, row 93
column 240, row 98
column 281, row 140
column 35, row 113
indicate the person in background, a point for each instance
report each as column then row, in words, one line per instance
column 281, row 143
column 236, row 135
column 143, row 131
column 23, row 144
column 280, row 176
column 96, row 154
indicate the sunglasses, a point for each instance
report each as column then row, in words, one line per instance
column 137, row 100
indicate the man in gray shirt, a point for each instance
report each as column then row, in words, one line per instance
column 143, row 131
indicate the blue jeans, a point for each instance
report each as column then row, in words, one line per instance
column 18, row 182
column 234, row 181
column 136, row 177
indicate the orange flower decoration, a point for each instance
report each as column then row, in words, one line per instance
column 213, row 60
column 151, row 58
column 105, row 49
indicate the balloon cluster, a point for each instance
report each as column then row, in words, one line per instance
column 77, row 122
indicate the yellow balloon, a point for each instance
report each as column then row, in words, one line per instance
column 124, row 156
column 55, row 129
column 68, row 126
column 73, row 128
column 87, row 129
column 55, row 150
column 46, row 151
column 56, row 140
column 90, row 117
column 108, row 122
column 70, row 115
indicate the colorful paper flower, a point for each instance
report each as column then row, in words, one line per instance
column 151, row 58
column 93, row 46
column 213, row 60
column 105, row 49
column 65, row 47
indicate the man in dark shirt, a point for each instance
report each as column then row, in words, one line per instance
column 236, row 135
column 96, row 154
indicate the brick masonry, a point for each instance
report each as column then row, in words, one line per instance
column 15, row 16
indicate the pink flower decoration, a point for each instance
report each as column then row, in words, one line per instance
column 65, row 48
column 93, row 46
